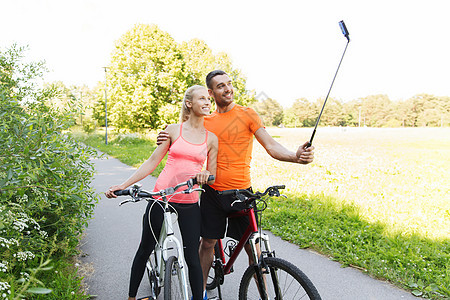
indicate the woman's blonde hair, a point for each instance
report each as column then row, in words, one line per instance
column 188, row 96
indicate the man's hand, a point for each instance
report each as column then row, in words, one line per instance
column 305, row 154
column 202, row 177
column 162, row 136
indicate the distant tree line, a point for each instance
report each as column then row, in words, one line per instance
column 370, row 111
column 149, row 72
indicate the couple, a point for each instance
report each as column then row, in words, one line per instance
column 225, row 139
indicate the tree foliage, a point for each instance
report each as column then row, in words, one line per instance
column 270, row 111
column 149, row 73
column 146, row 73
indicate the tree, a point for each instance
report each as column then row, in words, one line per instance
column 270, row 111
column 200, row 60
column 302, row 113
column 333, row 114
column 149, row 73
column 376, row 110
column 146, row 73
column 432, row 110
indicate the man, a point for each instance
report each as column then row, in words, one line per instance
column 234, row 126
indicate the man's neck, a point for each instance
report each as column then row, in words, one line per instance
column 224, row 109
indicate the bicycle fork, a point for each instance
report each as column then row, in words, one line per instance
column 166, row 243
column 261, row 267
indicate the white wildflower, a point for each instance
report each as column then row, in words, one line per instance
column 4, row 286
column 25, row 275
column 23, row 256
column 6, row 243
column 3, row 266
column 20, row 224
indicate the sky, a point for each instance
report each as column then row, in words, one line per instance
column 286, row 49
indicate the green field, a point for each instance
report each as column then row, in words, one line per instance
column 374, row 199
column 399, row 177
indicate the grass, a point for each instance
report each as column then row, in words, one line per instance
column 375, row 199
column 64, row 282
column 131, row 149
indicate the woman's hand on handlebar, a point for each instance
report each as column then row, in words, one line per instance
column 202, row 177
column 110, row 192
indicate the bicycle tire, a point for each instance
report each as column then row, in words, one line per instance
column 152, row 275
column 173, row 284
column 292, row 282
column 213, row 279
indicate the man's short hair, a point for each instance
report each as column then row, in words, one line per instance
column 211, row 75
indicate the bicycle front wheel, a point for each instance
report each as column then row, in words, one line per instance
column 173, row 280
column 283, row 280
column 153, row 275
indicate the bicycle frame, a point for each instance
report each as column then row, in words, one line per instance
column 251, row 235
column 162, row 249
column 267, row 277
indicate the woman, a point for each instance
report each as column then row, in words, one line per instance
column 189, row 145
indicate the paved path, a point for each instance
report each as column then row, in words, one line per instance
column 113, row 235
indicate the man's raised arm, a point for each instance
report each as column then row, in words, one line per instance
column 304, row 154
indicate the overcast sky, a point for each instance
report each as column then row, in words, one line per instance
column 286, row 49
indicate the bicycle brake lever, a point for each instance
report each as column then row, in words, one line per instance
column 125, row 201
column 188, row 191
column 236, row 201
column 129, row 200
column 241, row 199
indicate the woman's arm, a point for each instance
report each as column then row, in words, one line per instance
column 211, row 164
column 145, row 169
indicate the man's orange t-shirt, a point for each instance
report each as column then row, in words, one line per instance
column 235, row 130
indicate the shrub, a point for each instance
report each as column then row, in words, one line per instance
column 45, row 194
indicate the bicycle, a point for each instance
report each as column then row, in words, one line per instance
column 271, row 277
column 166, row 266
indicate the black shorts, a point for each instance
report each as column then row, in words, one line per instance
column 214, row 209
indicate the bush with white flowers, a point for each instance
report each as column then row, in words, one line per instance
column 45, row 195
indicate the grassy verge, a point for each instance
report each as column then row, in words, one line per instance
column 409, row 261
column 64, row 282
column 371, row 200
column 131, row 149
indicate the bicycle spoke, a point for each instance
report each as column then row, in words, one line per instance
column 292, row 283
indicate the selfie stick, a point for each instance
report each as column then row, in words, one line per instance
column 346, row 34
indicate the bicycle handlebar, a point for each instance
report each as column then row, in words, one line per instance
column 135, row 191
column 271, row 190
column 247, row 198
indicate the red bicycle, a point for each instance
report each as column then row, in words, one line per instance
column 271, row 277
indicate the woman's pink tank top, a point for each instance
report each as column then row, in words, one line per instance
column 183, row 162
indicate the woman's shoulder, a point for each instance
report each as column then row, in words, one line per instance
column 173, row 127
column 173, row 130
